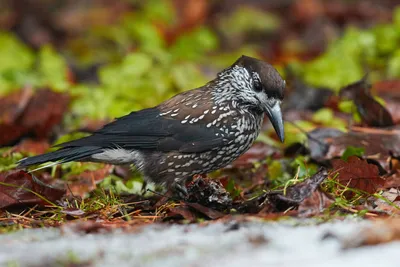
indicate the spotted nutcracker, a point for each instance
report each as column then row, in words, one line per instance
column 195, row 132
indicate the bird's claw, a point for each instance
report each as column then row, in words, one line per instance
column 180, row 189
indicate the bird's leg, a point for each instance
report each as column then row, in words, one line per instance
column 144, row 185
column 179, row 188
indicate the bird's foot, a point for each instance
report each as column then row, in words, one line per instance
column 180, row 189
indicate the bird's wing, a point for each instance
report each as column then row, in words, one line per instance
column 148, row 130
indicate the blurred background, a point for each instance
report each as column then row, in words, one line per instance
column 71, row 65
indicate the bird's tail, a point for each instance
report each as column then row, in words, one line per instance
column 60, row 156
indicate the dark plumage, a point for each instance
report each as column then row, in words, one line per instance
column 194, row 132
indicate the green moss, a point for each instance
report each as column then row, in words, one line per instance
column 345, row 60
column 16, row 63
column 326, row 117
column 52, row 69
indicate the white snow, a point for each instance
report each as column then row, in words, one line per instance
column 290, row 243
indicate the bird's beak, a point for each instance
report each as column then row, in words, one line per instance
column 275, row 116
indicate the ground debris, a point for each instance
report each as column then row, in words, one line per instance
column 372, row 113
column 22, row 188
column 209, row 193
column 26, row 113
column 379, row 145
column 382, row 231
column 357, row 173
column 296, row 194
column 389, row 203
column 85, row 182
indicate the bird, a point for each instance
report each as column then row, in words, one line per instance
column 193, row 133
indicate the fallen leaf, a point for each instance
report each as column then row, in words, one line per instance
column 22, row 188
column 372, row 113
column 357, row 173
column 296, row 194
column 184, row 211
column 31, row 146
column 393, row 206
column 306, row 11
column 209, row 212
column 189, row 14
column 24, row 114
column 393, row 107
column 74, row 212
column 316, row 203
column 13, row 105
column 320, row 141
column 393, row 180
column 45, row 110
column 388, row 87
column 85, row 182
column 378, row 144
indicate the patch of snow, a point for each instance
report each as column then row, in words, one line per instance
column 217, row 244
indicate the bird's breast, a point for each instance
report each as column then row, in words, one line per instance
column 243, row 131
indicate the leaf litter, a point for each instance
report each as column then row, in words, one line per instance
column 329, row 171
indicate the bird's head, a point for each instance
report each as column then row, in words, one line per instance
column 256, row 85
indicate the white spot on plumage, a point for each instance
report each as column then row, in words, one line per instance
column 165, row 113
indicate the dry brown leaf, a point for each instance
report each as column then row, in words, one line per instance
column 17, row 188
column 183, row 211
column 296, row 194
column 85, row 182
column 372, row 113
column 357, row 173
column 31, row 146
column 23, row 114
column 316, row 203
column 391, row 208
column 379, row 144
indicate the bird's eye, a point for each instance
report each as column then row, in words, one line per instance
column 257, row 85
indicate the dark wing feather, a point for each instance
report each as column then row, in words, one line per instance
column 137, row 123
column 147, row 130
